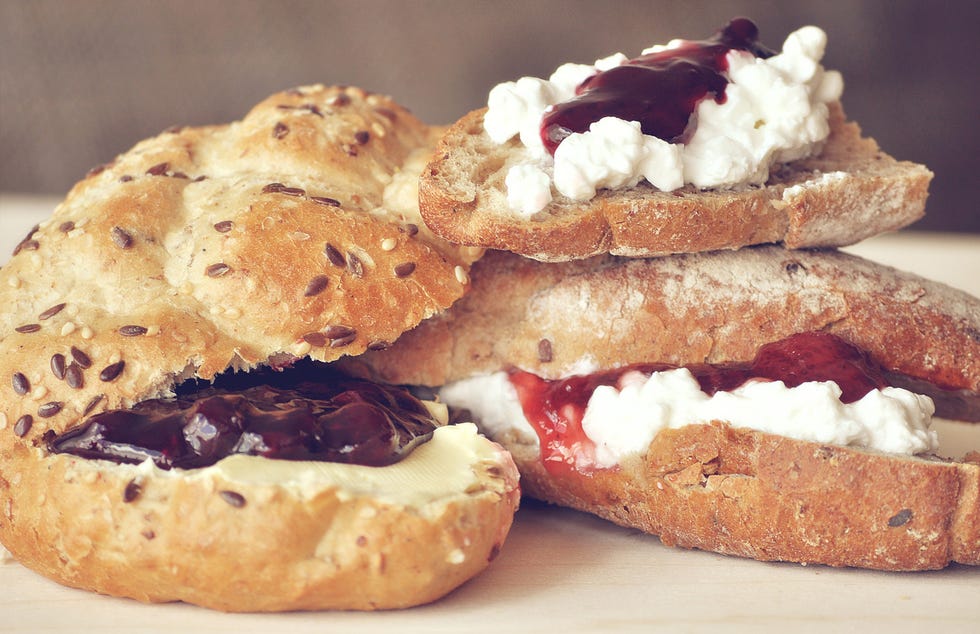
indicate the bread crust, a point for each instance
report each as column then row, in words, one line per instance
column 850, row 191
column 715, row 307
column 752, row 494
column 204, row 250
column 179, row 538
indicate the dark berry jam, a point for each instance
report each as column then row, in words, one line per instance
column 659, row 90
column 303, row 413
column 555, row 408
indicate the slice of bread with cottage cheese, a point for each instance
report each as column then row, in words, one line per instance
column 850, row 191
column 777, row 478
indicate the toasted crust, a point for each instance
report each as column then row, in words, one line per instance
column 850, row 191
column 752, row 494
column 199, row 251
column 710, row 307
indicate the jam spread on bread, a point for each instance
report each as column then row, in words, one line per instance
column 660, row 90
column 555, row 408
column 297, row 414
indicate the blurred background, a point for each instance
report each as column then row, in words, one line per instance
column 83, row 80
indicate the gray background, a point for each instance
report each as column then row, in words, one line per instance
column 83, row 80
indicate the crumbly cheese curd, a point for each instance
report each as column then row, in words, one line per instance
column 774, row 111
column 623, row 420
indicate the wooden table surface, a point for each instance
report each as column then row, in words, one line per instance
column 564, row 571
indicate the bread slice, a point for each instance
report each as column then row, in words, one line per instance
column 605, row 312
column 850, row 191
column 753, row 494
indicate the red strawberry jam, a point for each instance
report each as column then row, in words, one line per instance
column 303, row 413
column 555, row 408
column 659, row 90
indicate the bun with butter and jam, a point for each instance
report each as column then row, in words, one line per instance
column 691, row 146
column 764, row 403
column 171, row 429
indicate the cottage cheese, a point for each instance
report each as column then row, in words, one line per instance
column 624, row 419
column 775, row 111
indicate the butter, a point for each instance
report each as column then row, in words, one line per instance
column 446, row 466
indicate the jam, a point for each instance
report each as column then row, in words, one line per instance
column 555, row 408
column 659, row 90
column 303, row 413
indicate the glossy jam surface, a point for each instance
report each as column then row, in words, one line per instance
column 659, row 90
column 555, row 408
column 303, row 413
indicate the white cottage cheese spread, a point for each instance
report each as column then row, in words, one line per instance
column 623, row 420
column 774, row 111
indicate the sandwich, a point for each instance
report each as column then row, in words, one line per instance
column 763, row 403
column 171, row 427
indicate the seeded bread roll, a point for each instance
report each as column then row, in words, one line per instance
column 850, row 191
column 557, row 319
column 292, row 233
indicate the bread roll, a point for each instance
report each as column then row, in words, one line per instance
column 292, row 233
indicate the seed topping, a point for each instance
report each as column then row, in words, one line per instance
column 232, row 498
column 91, row 404
column 317, row 339
column 336, row 257
column 404, row 269
column 58, row 366
column 49, row 409
column 28, row 328
column 51, row 312
column 378, row 344
column 272, row 188
column 354, row 265
column 224, row 226
column 112, row 371
column 23, row 425
column 132, row 491
column 132, row 330
column 81, row 358
column 544, row 351
column 74, row 377
column 317, row 285
column 362, row 136
column 280, row 130
column 217, row 270
column 122, row 238
column 159, row 169
column 20, row 383
column 340, row 336
column 65, row 227
column 324, row 200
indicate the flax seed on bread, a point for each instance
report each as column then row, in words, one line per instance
column 850, row 191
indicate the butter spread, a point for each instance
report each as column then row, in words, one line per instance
column 450, row 464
